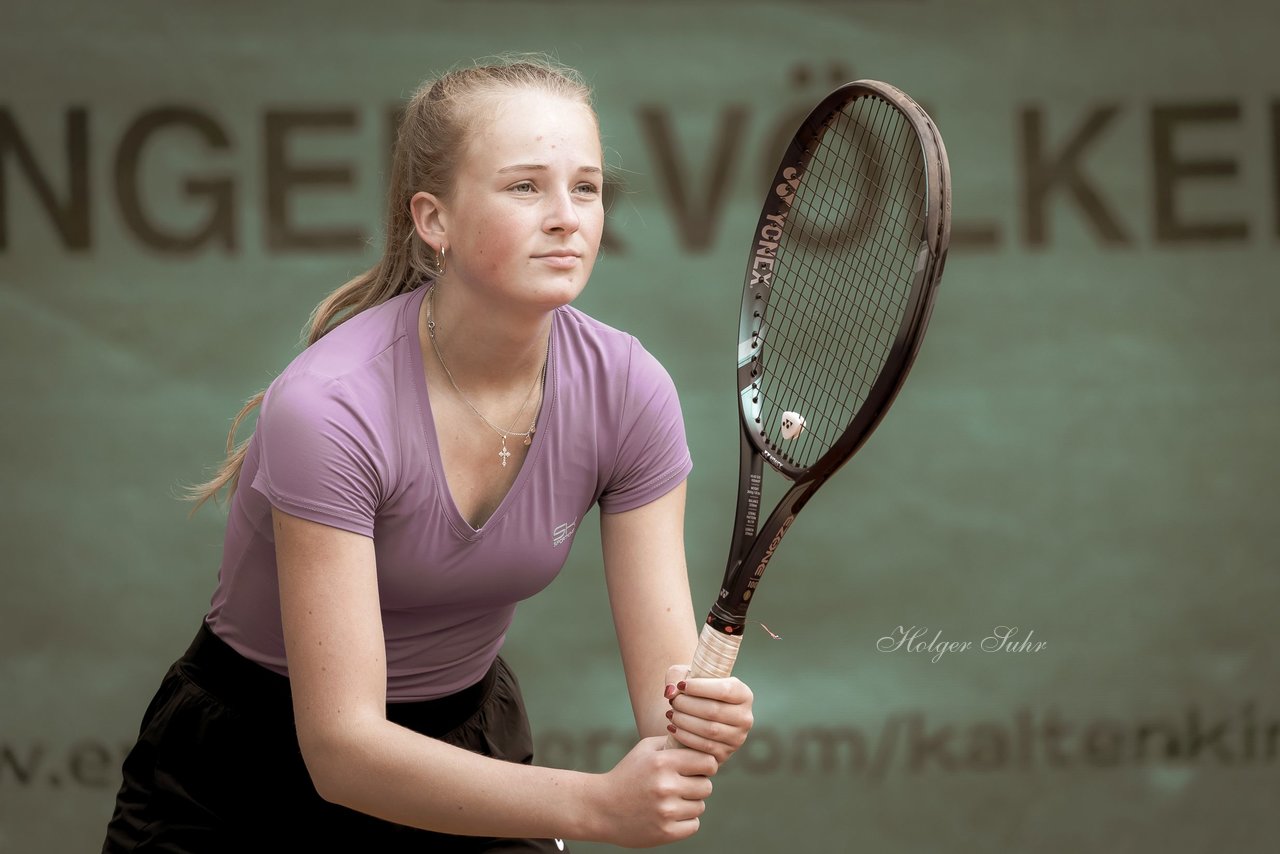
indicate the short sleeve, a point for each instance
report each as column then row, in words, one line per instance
column 321, row 457
column 653, row 452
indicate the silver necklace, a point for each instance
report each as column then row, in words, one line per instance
column 538, row 381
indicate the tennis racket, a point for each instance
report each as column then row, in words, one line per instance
column 841, row 276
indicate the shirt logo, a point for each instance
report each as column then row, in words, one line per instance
column 563, row 532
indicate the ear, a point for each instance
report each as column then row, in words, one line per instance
column 429, row 217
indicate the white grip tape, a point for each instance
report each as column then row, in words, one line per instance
column 714, row 656
column 716, row 653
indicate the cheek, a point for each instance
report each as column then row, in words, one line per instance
column 591, row 226
column 494, row 241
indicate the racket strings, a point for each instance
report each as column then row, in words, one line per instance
column 842, row 276
column 878, row 281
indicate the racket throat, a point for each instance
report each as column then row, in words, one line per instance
column 724, row 622
column 728, row 614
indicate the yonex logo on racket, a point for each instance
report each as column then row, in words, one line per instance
column 768, row 553
column 771, row 231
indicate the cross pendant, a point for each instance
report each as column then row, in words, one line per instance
column 504, row 453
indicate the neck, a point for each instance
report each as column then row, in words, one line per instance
column 486, row 351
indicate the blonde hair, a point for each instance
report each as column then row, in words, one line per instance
column 434, row 129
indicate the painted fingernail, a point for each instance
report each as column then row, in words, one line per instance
column 671, row 728
column 670, row 714
column 670, row 692
column 679, row 686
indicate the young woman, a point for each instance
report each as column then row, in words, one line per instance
column 414, row 473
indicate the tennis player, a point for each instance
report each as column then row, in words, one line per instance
column 419, row 469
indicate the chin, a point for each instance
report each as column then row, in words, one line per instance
column 556, row 294
column 563, row 289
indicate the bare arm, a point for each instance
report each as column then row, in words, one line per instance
column 336, row 652
column 648, row 583
column 653, row 614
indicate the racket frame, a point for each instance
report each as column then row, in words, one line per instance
column 754, row 544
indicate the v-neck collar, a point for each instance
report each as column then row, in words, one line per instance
column 457, row 521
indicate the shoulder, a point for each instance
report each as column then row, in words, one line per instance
column 582, row 332
column 350, row 372
column 611, row 381
column 360, row 340
column 592, row 347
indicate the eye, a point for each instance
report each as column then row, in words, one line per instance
column 586, row 188
column 522, row 187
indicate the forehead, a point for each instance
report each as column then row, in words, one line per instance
column 532, row 126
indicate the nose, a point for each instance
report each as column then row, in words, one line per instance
column 562, row 216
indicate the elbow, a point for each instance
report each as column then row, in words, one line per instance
column 328, row 759
column 326, row 786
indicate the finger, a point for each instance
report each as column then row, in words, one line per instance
column 684, row 828
column 680, row 806
column 693, row 764
column 732, row 714
column 693, row 789
column 728, row 733
column 728, row 689
column 676, row 674
column 691, row 806
column 715, row 751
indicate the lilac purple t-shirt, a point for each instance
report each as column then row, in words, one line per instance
column 345, row 438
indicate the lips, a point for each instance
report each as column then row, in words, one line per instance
column 561, row 260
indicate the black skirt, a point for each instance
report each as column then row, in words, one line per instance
column 217, row 767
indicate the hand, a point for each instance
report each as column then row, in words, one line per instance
column 653, row 796
column 712, row 715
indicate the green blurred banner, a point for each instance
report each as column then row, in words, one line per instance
column 1036, row 613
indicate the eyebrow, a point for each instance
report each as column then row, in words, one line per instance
column 540, row 167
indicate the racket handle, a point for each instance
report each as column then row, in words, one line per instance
column 714, row 657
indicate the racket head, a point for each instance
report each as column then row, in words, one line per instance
column 841, row 276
